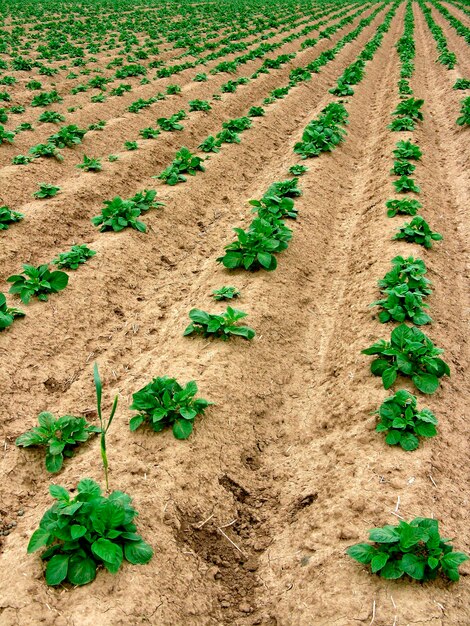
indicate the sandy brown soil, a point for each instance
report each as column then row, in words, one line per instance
column 286, row 464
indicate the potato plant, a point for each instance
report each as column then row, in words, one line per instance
column 7, row 314
column 410, row 353
column 164, row 402
column 74, row 257
column 86, row 532
column 405, row 207
column 119, row 214
column 407, row 150
column 185, row 162
column 225, row 293
column 415, row 549
column 221, row 325
column 7, row 217
column 404, row 288
column 38, row 282
column 46, row 191
column 59, row 436
column 402, row 423
column 90, row 164
column 417, row 231
column 255, row 248
column 405, row 184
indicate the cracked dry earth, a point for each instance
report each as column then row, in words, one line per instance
column 250, row 517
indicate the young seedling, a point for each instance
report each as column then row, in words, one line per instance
column 402, row 167
column 172, row 90
column 185, row 162
column 210, row 144
column 21, row 159
column 410, row 353
column 221, row 325
column 51, row 117
column 200, row 78
column 90, row 165
column 47, row 150
column 256, row 111
column 6, row 136
column 97, row 125
column 410, row 108
column 405, row 184
column 405, row 287
column 74, row 257
column 401, row 124
column 149, row 133
column 199, row 105
column 462, row 83
column 86, row 532
column 172, row 123
column 119, row 214
column 67, row 136
column 227, row 136
column 255, row 248
column 7, row 217
column 7, row 314
column 60, row 437
column 402, row 423
column 46, row 191
column 225, row 293
column 418, row 231
column 112, row 158
column 405, row 207
column 414, row 548
column 407, row 150
column 164, row 402
column 464, row 118
column 131, row 145
column 298, row 170
column 104, row 424
column 37, row 281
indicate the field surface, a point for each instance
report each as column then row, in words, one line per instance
column 250, row 517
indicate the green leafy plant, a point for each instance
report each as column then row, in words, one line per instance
column 418, row 231
column 404, row 286
column 402, row 124
column 67, row 136
column 199, row 105
column 24, row 126
column 149, row 133
column 7, row 314
column 172, row 90
column 90, row 165
column 406, row 207
column 228, row 136
column 462, row 83
column 47, row 150
column 410, row 353
column 324, row 133
column 238, row 124
column 225, row 293
column 119, row 214
column 255, row 111
column 410, row 108
column 77, row 255
column 104, row 423
column 405, row 184
column 7, row 217
column 255, row 248
column 298, row 170
column 37, row 281
column 407, row 150
column 172, row 123
column 210, row 144
column 131, row 145
column 221, row 325
column 51, row 117
column 6, row 136
column 21, row 159
column 200, row 78
column 402, row 423
column 46, row 191
column 60, row 437
column 86, row 532
column 464, row 118
column 164, row 402
column 185, row 162
column 414, row 548
column 97, row 125
column 402, row 167
column 112, row 158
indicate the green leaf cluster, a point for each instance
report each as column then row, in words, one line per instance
column 417, row 231
column 86, row 532
column 221, row 325
column 185, row 162
column 60, row 436
column 164, row 402
column 74, row 257
column 37, row 281
column 119, row 214
column 411, row 353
